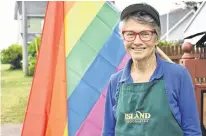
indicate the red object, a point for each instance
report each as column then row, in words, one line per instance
column 46, row 113
column 187, row 47
column 138, row 33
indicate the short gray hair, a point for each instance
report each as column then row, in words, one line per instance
column 143, row 18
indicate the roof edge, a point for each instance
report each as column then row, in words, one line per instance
column 196, row 13
column 177, row 24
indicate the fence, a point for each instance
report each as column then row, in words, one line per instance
column 197, row 68
column 175, row 52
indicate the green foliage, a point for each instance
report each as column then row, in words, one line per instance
column 34, row 46
column 12, row 55
column 32, row 49
column 31, row 66
column 166, row 43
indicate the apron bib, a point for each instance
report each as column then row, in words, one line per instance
column 143, row 110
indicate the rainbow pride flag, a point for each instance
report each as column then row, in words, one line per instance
column 80, row 49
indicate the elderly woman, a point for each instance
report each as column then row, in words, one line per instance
column 150, row 96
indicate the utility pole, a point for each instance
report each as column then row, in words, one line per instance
column 24, row 27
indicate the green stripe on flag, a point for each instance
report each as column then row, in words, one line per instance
column 89, row 45
column 112, row 19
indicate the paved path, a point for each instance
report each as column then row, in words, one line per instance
column 11, row 129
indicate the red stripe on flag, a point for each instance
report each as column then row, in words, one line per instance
column 48, row 87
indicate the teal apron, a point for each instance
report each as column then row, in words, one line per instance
column 143, row 110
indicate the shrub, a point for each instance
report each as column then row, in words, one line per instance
column 31, row 65
column 32, row 50
column 12, row 55
column 34, row 46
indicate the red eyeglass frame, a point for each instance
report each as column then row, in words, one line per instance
column 137, row 33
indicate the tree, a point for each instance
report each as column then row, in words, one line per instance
column 192, row 4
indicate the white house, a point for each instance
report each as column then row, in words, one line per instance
column 177, row 20
column 35, row 12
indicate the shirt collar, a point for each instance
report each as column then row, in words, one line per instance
column 158, row 73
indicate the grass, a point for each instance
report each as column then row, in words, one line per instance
column 15, row 89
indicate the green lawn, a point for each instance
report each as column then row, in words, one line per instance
column 15, row 89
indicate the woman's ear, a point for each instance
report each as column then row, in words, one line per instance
column 157, row 42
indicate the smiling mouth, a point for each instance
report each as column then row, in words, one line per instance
column 138, row 49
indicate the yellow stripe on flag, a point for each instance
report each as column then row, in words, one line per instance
column 78, row 19
column 66, row 130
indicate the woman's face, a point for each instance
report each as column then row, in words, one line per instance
column 139, row 39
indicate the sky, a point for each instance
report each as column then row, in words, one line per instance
column 9, row 26
column 162, row 6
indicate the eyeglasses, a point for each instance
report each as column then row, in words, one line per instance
column 145, row 35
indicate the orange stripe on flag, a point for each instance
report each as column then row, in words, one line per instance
column 58, row 111
column 49, row 82
column 58, row 108
column 67, row 7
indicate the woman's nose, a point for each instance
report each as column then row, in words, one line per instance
column 137, row 40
